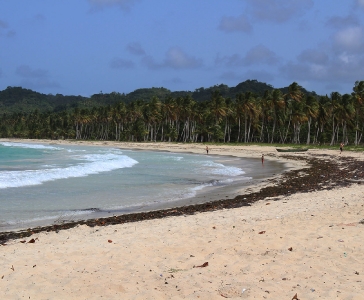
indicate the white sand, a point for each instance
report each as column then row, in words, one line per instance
column 247, row 250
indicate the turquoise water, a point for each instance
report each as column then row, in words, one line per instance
column 44, row 184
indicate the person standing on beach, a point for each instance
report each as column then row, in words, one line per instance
column 341, row 147
column 262, row 159
column 207, row 150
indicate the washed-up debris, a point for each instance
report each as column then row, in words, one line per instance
column 261, row 232
column 347, row 224
column 290, row 182
column 175, row 271
column 202, row 266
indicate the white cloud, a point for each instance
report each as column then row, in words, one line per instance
column 35, row 78
column 360, row 3
column 349, row 39
column 340, row 69
column 260, row 55
column 39, row 83
column 178, row 59
column 342, row 22
column 255, row 56
column 27, row 72
column 3, row 24
column 150, row 63
column 119, row 63
column 278, row 10
column 313, row 56
column 11, row 33
column 175, row 58
column 135, row 48
column 123, row 4
column 232, row 24
column 229, row 60
column 260, row 75
column 230, row 75
column 5, row 31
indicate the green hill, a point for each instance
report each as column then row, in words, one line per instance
column 21, row 100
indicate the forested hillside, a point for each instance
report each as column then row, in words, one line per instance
column 17, row 99
column 216, row 114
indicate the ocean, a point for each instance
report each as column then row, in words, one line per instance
column 44, row 184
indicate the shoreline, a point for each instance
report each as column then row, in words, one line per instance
column 302, row 233
column 250, row 192
column 219, row 194
column 254, row 178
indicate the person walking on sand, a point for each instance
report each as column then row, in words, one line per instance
column 207, row 150
column 341, row 147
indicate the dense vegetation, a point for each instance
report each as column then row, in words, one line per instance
column 17, row 99
column 250, row 112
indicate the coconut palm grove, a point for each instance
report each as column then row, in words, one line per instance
column 251, row 112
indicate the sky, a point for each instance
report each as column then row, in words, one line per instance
column 84, row 47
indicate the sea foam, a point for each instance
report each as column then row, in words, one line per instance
column 29, row 146
column 94, row 164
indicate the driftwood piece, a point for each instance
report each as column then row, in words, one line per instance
column 359, row 181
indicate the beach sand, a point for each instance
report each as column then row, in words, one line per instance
column 293, row 246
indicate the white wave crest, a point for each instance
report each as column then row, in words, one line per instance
column 96, row 163
column 29, row 146
column 220, row 169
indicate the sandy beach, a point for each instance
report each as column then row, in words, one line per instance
column 292, row 245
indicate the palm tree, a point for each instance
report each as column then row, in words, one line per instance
column 310, row 109
column 346, row 115
column 228, row 119
column 321, row 119
column 358, row 96
column 264, row 113
column 169, row 116
column 250, row 110
column 335, row 109
column 217, row 107
column 276, row 103
column 292, row 108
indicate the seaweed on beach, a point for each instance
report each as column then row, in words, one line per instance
column 322, row 174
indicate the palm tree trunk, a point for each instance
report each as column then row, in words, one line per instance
column 238, row 139
column 309, row 131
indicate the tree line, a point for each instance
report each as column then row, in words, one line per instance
column 274, row 117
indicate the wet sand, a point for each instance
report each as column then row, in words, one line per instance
column 256, row 175
column 299, row 233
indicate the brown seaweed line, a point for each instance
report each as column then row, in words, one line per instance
column 318, row 176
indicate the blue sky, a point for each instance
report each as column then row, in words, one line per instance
column 82, row 47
